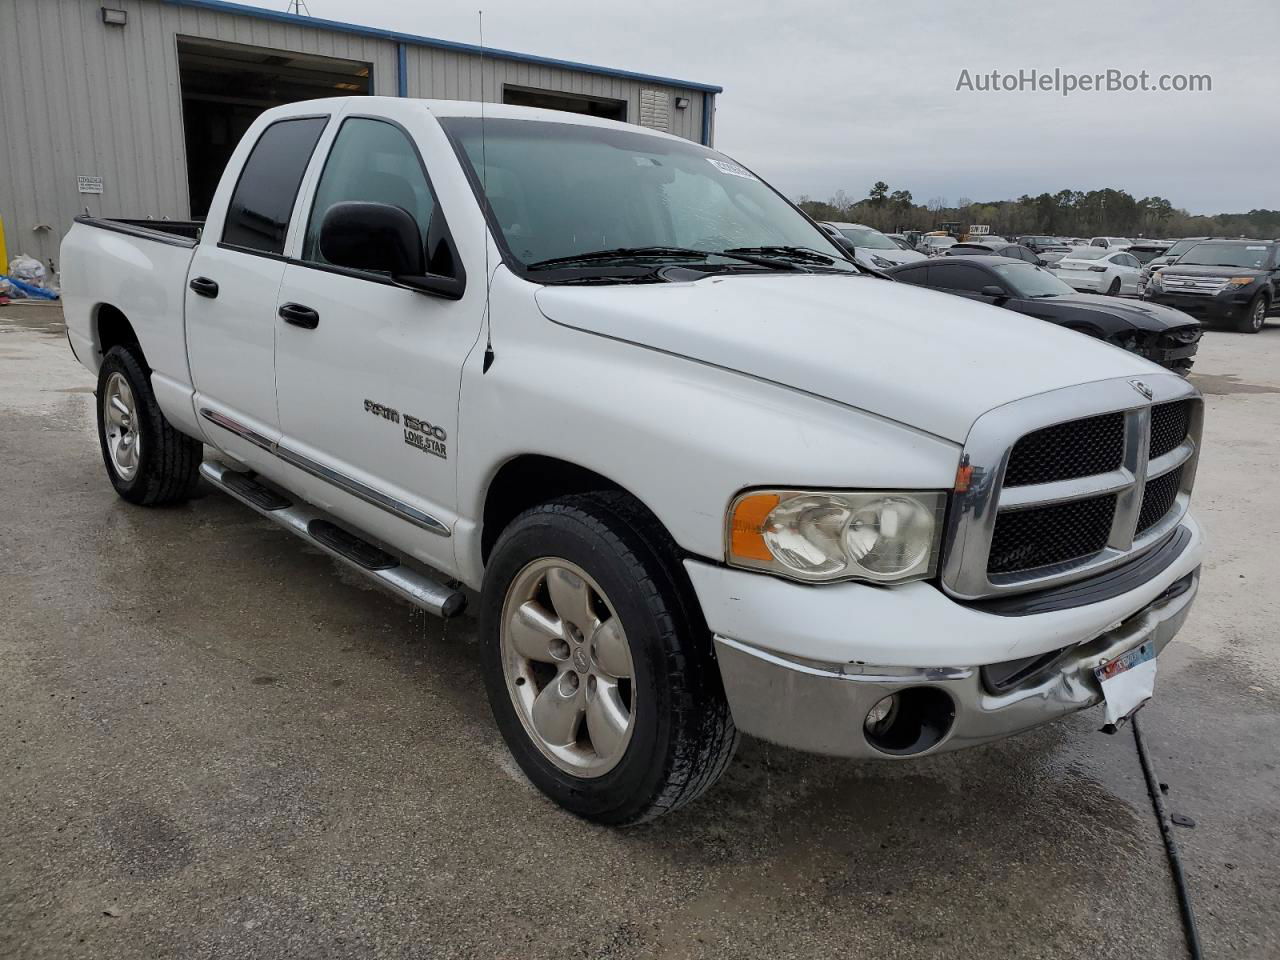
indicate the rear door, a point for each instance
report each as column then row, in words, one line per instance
column 368, row 386
column 232, row 287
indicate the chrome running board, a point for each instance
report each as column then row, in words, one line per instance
column 319, row 530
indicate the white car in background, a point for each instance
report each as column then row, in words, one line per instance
column 1097, row 270
column 1111, row 243
column 871, row 246
column 935, row 246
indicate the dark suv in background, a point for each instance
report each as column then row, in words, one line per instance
column 1229, row 281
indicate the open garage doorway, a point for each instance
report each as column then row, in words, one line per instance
column 226, row 85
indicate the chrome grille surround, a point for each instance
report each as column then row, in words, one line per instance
column 1180, row 283
column 972, row 517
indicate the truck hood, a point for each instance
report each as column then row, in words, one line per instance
column 929, row 360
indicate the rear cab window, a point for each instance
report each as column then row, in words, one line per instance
column 258, row 215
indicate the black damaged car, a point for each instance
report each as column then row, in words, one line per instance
column 1230, row 281
column 1163, row 335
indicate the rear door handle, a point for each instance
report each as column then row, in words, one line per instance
column 204, row 287
column 299, row 315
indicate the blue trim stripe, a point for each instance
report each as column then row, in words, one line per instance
column 402, row 70
column 240, row 9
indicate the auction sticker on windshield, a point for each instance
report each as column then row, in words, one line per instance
column 1128, row 682
column 731, row 168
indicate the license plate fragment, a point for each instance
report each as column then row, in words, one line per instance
column 1127, row 682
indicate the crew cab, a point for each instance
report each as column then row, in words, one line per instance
column 698, row 472
column 1232, row 281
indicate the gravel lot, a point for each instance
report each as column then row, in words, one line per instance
column 214, row 743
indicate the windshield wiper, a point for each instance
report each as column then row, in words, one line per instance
column 803, row 254
column 644, row 253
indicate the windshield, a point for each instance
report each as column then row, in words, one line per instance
column 939, row 241
column 1250, row 255
column 559, row 190
column 866, row 237
column 1147, row 254
column 1028, row 280
column 1179, row 248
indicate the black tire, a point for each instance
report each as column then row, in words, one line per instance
column 1114, row 289
column 684, row 736
column 1255, row 317
column 168, row 461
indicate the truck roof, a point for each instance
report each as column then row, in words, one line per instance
column 465, row 108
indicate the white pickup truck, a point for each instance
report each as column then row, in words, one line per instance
column 705, row 475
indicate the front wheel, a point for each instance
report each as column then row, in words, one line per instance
column 148, row 461
column 1255, row 317
column 598, row 664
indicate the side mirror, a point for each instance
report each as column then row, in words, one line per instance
column 372, row 236
column 384, row 238
column 994, row 290
column 1041, row 262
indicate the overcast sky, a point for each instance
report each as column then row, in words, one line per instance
column 820, row 97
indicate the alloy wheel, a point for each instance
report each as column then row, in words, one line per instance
column 568, row 667
column 120, row 423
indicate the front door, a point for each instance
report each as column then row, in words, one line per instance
column 367, row 371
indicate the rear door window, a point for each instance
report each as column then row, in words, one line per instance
column 958, row 276
column 258, row 216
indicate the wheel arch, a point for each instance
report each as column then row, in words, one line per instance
column 111, row 328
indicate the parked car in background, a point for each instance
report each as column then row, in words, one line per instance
column 1161, row 335
column 1111, row 243
column 1098, row 270
column 1040, row 242
column 1235, row 281
column 985, row 238
column 1004, row 249
column 1176, row 249
column 869, row 245
column 933, row 246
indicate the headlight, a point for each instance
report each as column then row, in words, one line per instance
column 831, row 535
column 881, row 261
column 1240, row 281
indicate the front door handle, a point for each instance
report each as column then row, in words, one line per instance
column 204, row 287
column 299, row 315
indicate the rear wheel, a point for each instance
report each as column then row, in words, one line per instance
column 598, row 664
column 1255, row 317
column 148, row 461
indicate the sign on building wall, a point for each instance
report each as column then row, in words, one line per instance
column 89, row 184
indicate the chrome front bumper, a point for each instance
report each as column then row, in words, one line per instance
column 821, row 707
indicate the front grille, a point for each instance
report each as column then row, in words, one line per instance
column 1176, row 283
column 1158, row 498
column 1058, row 533
column 1065, row 451
column 1170, row 423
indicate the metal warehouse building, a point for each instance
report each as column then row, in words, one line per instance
column 131, row 108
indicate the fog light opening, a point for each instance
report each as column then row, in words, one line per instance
column 910, row 721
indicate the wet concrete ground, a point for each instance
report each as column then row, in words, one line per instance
column 214, row 743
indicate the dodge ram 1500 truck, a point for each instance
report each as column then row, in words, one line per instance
column 704, row 474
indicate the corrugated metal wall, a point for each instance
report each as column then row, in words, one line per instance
column 79, row 98
column 452, row 75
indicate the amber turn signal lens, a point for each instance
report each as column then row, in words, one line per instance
column 746, row 529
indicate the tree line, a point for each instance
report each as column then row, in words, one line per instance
column 1069, row 213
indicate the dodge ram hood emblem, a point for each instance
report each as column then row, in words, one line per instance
column 1142, row 388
